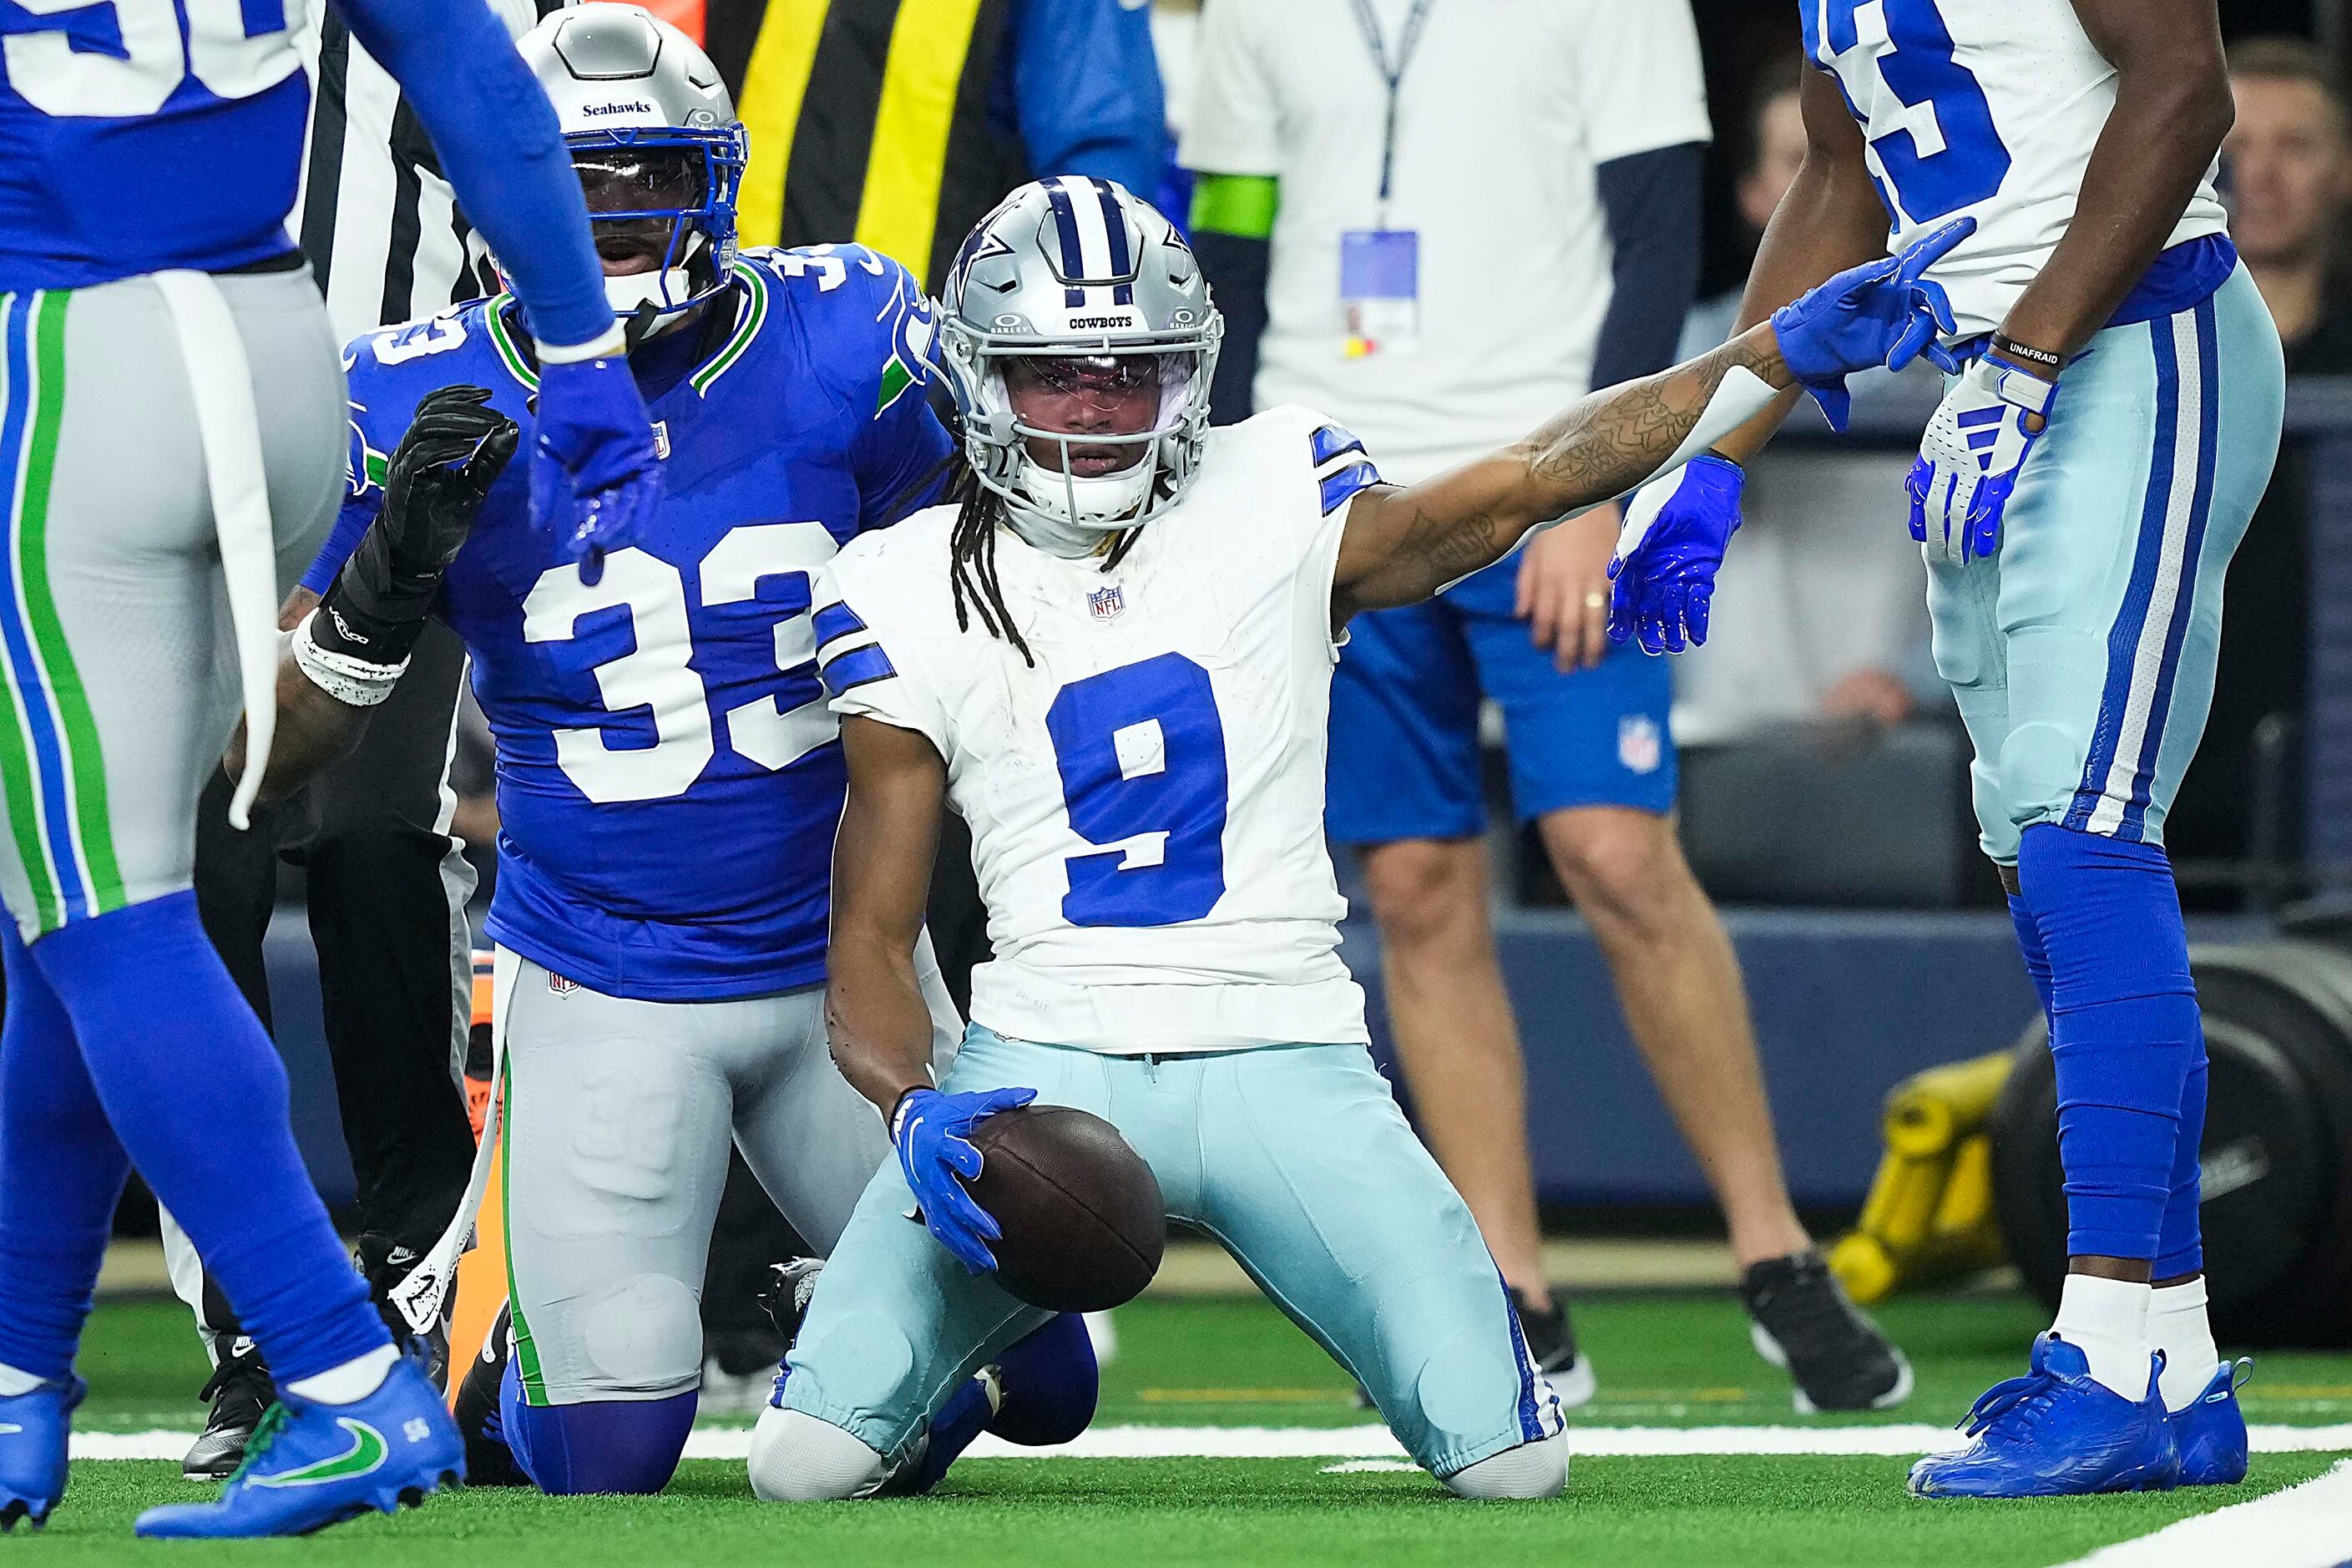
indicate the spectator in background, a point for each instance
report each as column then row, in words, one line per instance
column 1822, row 615
column 2290, row 178
column 903, row 138
column 1772, row 152
column 1445, row 218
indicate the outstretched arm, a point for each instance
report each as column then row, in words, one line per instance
column 1403, row 545
column 1830, row 219
column 882, row 856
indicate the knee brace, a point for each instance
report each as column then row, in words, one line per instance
column 1536, row 1470
column 2040, row 769
column 642, row 1335
column 795, row 1458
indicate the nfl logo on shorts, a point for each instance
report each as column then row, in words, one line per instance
column 1106, row 603
column 1640, row 745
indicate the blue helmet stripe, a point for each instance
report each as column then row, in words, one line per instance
column 1122, row 261
column 1065, row 227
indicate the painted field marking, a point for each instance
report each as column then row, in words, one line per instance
column 2309, row 1526
column 1365, row 1442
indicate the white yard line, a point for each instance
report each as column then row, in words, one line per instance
column 2309, row 1526
column 1368, row 1442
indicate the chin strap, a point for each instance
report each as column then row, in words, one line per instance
column 1053, row 535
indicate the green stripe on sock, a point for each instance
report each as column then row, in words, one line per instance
column 84, row 758
column 534, row 1385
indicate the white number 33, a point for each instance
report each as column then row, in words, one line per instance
column 657, row 674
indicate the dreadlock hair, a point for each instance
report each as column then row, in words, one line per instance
column 971, row 552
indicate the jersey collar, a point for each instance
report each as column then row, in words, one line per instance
column 751, row 315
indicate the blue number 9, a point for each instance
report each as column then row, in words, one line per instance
column 1141, row 751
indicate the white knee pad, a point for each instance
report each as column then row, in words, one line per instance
column 795, row 1458
column 1536, row 1470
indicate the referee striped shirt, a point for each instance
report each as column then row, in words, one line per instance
column 379, row 224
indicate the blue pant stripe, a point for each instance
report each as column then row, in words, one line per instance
column 1530, row 1413
column 2133, row 827
column 23, row 670
column 2124, row 638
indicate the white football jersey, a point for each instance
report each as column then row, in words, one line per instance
column 1983, row 108
column 1146, row 803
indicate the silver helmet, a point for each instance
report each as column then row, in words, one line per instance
column 644, row 113
column 1077, row 277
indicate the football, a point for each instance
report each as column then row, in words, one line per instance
column 1083, row 1219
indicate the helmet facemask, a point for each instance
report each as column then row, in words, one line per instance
column 1082, row 440
column 666, row 198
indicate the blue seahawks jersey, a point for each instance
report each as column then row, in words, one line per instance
column 144, row 134
column 669, row 777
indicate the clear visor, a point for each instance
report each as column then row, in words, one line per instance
column 1131, row 397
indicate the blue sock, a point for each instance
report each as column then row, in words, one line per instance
column 61, row 1174
column 195, row 1092
column 616, row 1446
column 963, row 1418
column 1050, row 1385
column 2029, row 943
column 2181, row 1247
column 2123, row 1029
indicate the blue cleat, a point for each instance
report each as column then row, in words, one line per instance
column 33, row 1431
column 2056, row 1432
column 311, row 1465
column 2210, row 1435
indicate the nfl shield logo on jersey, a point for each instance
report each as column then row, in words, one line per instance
column 562, row 985
column 1106, row 603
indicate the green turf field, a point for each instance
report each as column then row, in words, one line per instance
column 1665, row 1361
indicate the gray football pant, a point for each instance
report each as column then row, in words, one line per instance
column 119, row 663
column 616, row 1125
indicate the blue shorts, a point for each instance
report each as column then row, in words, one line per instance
column 1296, row 1158
column 1404, row 721
column 2083, row 653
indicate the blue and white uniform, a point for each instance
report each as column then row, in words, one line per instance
column 1146, row 808
column 2083, row 653
column 670, row 779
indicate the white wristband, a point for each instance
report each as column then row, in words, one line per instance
column 353, row 682
column 611, row 344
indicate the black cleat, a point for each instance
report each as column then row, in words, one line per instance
column 240, row 1389
column 489, row 1461
column 1551, row 1345
column 1804, row 1323
column 786, row 1300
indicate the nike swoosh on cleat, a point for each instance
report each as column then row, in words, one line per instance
column 366, row 1453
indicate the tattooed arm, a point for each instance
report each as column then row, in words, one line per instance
column 1402, row 545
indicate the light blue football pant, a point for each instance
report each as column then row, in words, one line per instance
column 2083, row 653
column 1295, row 1158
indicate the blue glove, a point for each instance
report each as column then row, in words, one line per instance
column 596, row 477
column 1972, row 455
column 933, row 1134
column 1883, row 312
column 1677, row 528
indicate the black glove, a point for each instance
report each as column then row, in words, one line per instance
column 454, row 451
